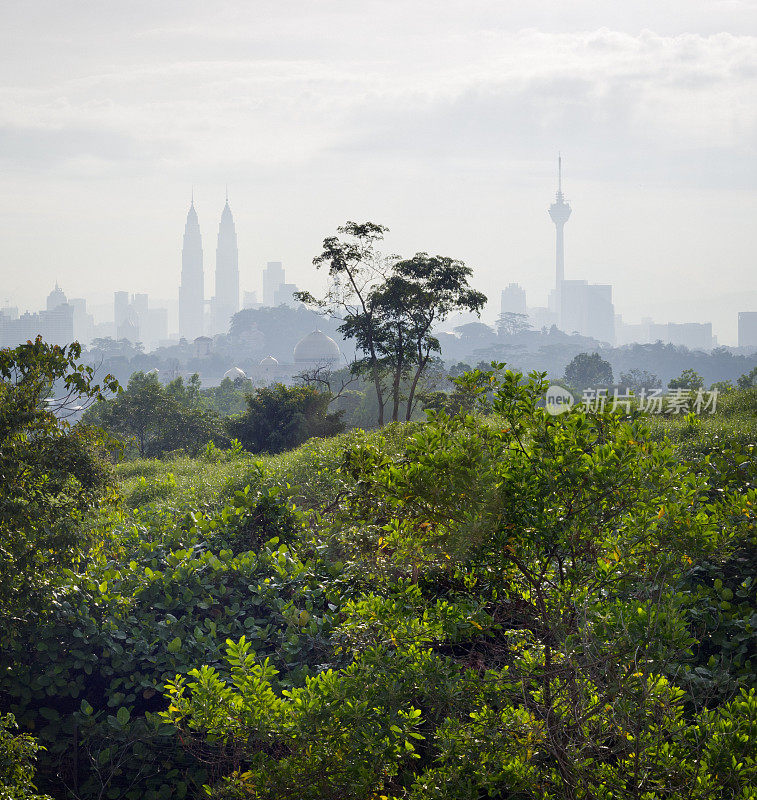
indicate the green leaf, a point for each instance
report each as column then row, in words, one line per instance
column 175, row 645
column 123, row 716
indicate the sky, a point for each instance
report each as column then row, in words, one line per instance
column 441, row 120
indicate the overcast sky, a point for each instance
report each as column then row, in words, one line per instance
column 441, row 120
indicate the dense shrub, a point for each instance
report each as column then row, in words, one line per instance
column 280, row 418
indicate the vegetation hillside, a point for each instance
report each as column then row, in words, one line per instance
column 493, row 603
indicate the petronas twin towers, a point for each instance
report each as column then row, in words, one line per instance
column 225, row 303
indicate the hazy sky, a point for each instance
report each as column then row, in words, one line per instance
column 439, row 119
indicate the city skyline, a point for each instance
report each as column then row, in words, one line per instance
column 574, row 304
column 312, row 119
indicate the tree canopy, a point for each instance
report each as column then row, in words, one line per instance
column 588, row 370
column 389, row 306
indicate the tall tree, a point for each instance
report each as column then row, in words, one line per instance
column 510, row 323
column 420, row 292
column 389, row 306
column 355, row 268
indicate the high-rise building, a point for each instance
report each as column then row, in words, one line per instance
column 55, row 324
column 283, row 296
column 748, row 329
column 120, row 307
column 226, row 300
column 56, row 298
column 273, row 277
column 192, row 288
column 513, row 300
column 694, row 335
column 84, row 322
column 559, row 211
column 587, row 309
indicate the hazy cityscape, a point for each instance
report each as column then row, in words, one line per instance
column 192, row 331
column 378, row 400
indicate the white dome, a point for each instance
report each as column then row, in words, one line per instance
column 316, row 347
column 234, row 373
column 269, row 361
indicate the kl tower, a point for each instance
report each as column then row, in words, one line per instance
column 560, row 213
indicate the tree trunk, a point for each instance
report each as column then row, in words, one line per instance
column 414, row 386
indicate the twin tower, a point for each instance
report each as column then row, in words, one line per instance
column 225, row 303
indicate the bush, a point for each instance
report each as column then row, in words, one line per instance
column 280, row 418
column 18, row 753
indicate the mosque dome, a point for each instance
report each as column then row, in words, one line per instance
column 269, row 361
column 316, row 348
column 234, row 373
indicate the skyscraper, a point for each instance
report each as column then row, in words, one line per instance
column 513, row 300
column 192, row 289
column 560, row 213
column 226, row 300
column 273, row 277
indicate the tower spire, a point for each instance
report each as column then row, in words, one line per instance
column 227, row 194
column 559, row 211
column 192, row 204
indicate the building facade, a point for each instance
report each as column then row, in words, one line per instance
column 226, row 299
column 192, row 288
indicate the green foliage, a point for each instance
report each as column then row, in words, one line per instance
column 532, row 607
column 18, row 753
column 588, row 371
column 501, row 604
column 281, row 417
column 160, row 419
column 163, row 594
column 748, row 380
column 639, row 379
column 51, row 475
column 688, row 379
column 389, row 306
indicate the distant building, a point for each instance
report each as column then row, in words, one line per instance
column 56, row 298
column 273, row 277
column 226, row 299
column 542, row 317
column 192, row 288
column 139, row 303
column 154, row 327
column 120, row 308
column 55, row 324
column 203, row 346
column 234, row 373
column 513, row 300
column 748, row 329
column 283, row 295
column 136, row 321
column 250, row 300
column 317, row 349
column 559, row 212
column 84, row 323
column 694, row 335
column 580, row 307
column 587, row 309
